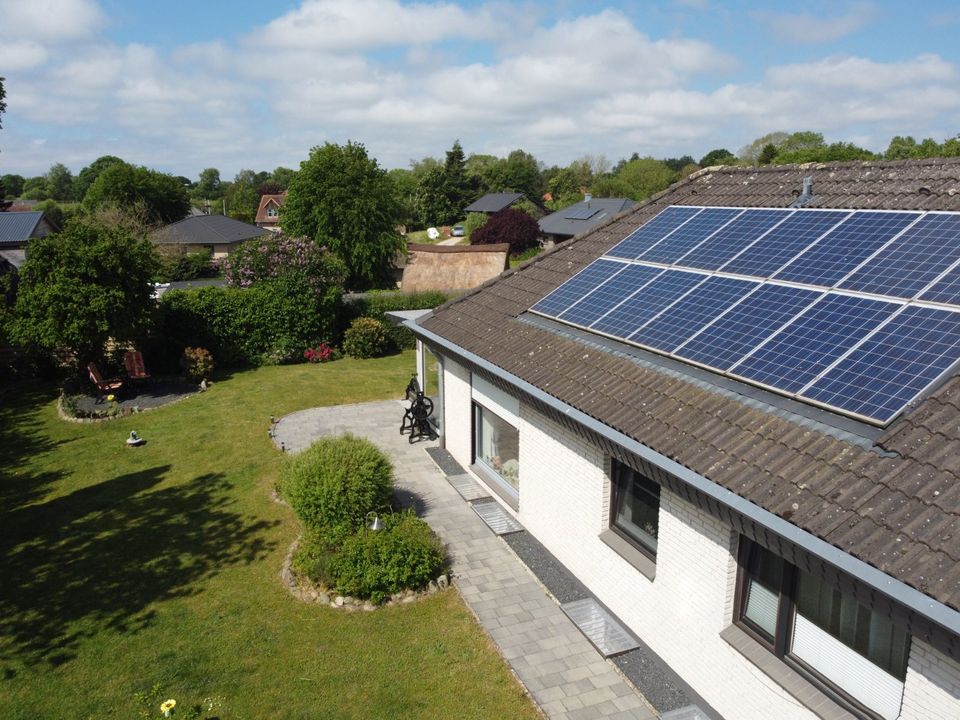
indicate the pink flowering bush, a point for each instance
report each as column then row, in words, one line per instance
column 275, row 256
column 320, row 354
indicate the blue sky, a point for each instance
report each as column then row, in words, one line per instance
column 181, row 86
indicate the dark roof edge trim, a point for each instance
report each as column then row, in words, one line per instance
column 899, row 591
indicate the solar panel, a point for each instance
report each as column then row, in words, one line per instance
column 913, row 260
column 577, row 286
column 609, row 294
column 852, row 242
column 753, row 294
column 623, row 320
column 689, row 235
column 889, row 369
column 722, row 343
column 639, row 241
column 583, row 213
column 692, row 312
column 808, row 345
column 720, row 247
column 776, row 248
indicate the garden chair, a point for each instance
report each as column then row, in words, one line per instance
column 136, row 369
column 104, row 387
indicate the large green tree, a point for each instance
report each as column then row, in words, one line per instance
column 209, row 186
column 343, row 199
column 645, row 176
column 242, row 197
column 59, row 182
column 87, row 176
column 162, row 197
column 84, row 285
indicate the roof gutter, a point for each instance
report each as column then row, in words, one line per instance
column 902, row 593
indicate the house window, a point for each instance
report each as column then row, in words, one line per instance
column 851, row 651
column 497, row 448
column 635, row 507
column 433, row 385
column 272, row 211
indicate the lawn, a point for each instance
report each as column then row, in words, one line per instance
column 123, row 568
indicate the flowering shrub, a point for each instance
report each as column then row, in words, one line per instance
column 320, row 354
column 197, row 363
column 273, row 256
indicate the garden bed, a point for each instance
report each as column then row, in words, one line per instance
column 83, row 406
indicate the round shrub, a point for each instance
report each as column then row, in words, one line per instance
column 404, row 554
column 365, row 338
column 337, row 481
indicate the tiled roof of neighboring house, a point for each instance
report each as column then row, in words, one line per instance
column 602, row 209
column 18, row 227
column 265, row 202
column 895, row 505
column 206, row 230
column 493, row 202
column 452, row 267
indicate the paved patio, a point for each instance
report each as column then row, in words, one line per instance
column 562, row 671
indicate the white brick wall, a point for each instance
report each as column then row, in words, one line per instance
column 457, row 409
column 932, row 688
column 564, row 502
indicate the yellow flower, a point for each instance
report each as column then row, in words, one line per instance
column 110, row 398
column 167, row 707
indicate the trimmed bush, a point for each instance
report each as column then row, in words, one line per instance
column 336, row 481
column 365, row 338
column 377, row 304
column 405, row 554
column 508, row 226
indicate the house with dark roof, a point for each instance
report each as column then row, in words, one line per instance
column 18, row 228
column 580, row 217
column 493, row 202
column 268, row 212
column 219, row 233
column 733, row 413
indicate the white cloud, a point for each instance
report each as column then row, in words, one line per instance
column 49, row 20
column 808, row 28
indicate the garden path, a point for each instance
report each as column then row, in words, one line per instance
column 563, row 672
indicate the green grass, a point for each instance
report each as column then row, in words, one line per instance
column 121, row 568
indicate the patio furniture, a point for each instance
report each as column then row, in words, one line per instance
column 104, row 387
column 136, row 369
column 416, row 418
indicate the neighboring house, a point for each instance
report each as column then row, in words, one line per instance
column 268, row 213
column 493, row 203
column 18, row 228
column 788, row 560
column 219, row 233
column 581, row 217
column 452, row 267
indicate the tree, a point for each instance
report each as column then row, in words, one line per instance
column 282, row 176
column 242, row 197
column 750, row 154
column 678, row 164
column 782, row 142
column 719, row 156
column 835, row 152
column 59, row 182
column 87, row 176
column 344, row 200
column 508, row 226
column 3, row 101
column 163, row 197
column 13, row 185
column 767, row 154
column 444, row 191
column 406, row 184
column 646, row 176
column 84, row 285
column 35, row 188
column 611, row 187
column 208, row 185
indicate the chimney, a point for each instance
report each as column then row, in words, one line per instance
column 587, row 197
column 806, row 196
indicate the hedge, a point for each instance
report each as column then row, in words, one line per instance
column 377, row 304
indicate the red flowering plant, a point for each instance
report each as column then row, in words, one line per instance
column 320, row 354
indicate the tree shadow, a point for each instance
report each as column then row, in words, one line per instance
column 21, row 439
column 99, row 557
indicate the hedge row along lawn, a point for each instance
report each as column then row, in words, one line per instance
column 124, row 568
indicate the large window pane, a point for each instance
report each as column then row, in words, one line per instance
column 498, row 446
column 432, row 385
column 856, row 626
column 762, row 599
column 636, row 506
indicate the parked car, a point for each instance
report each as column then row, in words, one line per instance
column 458, row 231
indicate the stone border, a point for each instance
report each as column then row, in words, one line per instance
column 79, row 420
column 305, row 591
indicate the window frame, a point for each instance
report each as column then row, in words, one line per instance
column 497, row 482
column 617, row 468
column 780, row 647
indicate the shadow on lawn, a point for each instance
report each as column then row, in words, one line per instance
column 22, row 438
column 99, row 557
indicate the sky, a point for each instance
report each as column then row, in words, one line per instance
column 180, row 86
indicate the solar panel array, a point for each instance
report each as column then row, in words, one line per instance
column 857, row 311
